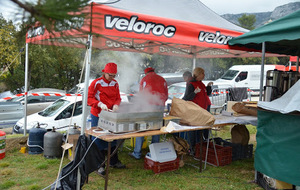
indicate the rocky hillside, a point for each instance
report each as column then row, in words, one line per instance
column 265, row 17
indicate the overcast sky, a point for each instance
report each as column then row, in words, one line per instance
column 244, row 6
column 7, row 8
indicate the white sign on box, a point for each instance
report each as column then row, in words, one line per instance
column 162, row 152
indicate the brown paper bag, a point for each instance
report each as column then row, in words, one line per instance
column 240, row 135
column 242, row 109
column 180, row 145
column 190, row 113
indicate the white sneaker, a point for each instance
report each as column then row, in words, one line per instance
column 101, row 171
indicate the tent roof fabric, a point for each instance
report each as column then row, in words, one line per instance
column 185, row 28
column 281, row 36
column 193, row 11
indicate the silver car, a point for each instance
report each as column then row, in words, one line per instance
column 11, row 110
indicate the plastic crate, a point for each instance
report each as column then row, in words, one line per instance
column 238, row 151
column 159, row 167
column 224, row 154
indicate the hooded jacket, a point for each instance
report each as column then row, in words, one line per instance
column 101, row 90
column 155, row 89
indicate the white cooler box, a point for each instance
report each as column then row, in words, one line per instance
column 162, row 158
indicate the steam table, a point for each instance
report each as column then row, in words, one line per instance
column 109, row 137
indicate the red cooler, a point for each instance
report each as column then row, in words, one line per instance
column 2, row 144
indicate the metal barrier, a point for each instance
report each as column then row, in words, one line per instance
column 220, row 96
column 218, row 100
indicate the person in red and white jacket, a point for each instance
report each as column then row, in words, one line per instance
column 154, row 90
column 104, row 94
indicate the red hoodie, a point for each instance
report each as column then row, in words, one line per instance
column 156, row 86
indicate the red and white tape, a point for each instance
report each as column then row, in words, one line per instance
column 59, row 94
column 49, row 94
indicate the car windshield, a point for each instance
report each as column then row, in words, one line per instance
column 54, row 108
column 73, row 90
column 175, row 91
column 229, row 75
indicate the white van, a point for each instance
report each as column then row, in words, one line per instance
column 245, row 76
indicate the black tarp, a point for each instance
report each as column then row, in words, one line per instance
column 88, row 157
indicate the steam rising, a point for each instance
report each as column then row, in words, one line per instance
column 143, row 102
column 129, row 67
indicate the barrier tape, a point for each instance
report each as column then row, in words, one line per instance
column 57, row 94
column 222, row 92
column 49, row 94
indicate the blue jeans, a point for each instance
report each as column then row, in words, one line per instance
column 137, row 152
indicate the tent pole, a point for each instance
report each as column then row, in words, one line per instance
column 86, row 85
column 262, row 70
column 26, row 88
column 194, row 61
column 84, row 98
column 297, row 64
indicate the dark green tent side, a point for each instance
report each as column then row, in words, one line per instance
column 281, row 36
column 277, row 153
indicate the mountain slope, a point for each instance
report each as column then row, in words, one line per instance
column 265, row 17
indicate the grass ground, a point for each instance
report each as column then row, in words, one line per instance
column 23, row 171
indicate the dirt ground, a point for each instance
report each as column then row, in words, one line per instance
column 252, row 138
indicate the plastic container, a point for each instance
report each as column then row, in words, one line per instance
column 88, row 122
column 239, row 151
column 162, row 152
column 224, row 154
column 159, row 167
column 36, row 140
column 2, row 144
column 145, row 143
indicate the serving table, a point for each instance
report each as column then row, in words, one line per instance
column 109, row 137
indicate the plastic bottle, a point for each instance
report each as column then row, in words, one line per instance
column 88, row 122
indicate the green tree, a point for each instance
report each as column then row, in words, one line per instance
column 9, row 53
column 49, row 12
column 8, row 47
column 247, row 21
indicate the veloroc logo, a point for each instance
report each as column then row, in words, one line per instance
column 216, row 38
column 138, row 26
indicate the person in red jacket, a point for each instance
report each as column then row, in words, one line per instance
column 104, row 94
column 154, row 89
column 198, row 93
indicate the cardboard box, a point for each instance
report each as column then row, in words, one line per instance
column 283, row 185
column 72, row 139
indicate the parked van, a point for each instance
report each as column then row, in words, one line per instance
column 245, row 76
